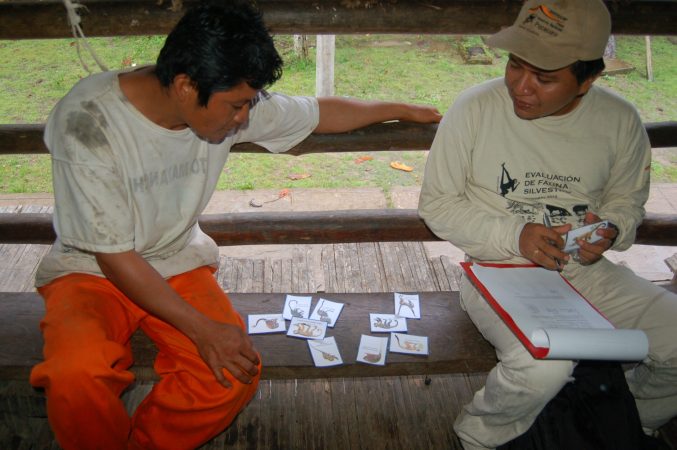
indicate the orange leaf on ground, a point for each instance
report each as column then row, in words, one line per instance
column 284, row 193
column 298, row 176
column 364, row 158
column 401, row 166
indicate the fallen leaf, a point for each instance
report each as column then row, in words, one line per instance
column 401, row 166
column 364, row 158
column 298, row 176
column 284, row 193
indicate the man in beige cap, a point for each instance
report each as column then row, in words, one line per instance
column 544, row 143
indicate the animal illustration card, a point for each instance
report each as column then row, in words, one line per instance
column 296, row 306
column 325, row 352
column 387, row 323
column 407, row 305
column 307, row 328
column 372, row 350
column 327, row 311
column 266, row 323
column 408, row 343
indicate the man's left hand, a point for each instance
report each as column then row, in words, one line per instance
column 591, row 253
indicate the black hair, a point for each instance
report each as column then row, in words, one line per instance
column 219, row 47
column 583, row 70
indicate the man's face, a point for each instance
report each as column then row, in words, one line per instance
column 539, row 93
column 225, row 111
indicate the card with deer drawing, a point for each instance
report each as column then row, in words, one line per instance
column 307, row 328
column 296, row 306
column 325, row 352
column 372, row 350
column 387, row 323
column 408, row 343
column 327, row 311
column 266, row 323
column 407, row 305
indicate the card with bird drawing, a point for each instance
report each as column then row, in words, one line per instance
column 307, row 328
column 407, row 305
column 387, row 323
column 266, row 323
column 325, row 352
column 372, row 350
column 327, row 311
column 296, row 306
column 408, row 343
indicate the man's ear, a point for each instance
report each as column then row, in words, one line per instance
column 184, row 88
column 586, row 85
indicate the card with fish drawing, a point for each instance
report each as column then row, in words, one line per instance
column 387, row 323
column 407, row 305
column 307, row 328
column 296, row 306
column 266, row 323
column 327, row 311
column 408, row 343
column 372, row 350
column 325, row 352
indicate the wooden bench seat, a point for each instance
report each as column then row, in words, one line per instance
column 455, row 344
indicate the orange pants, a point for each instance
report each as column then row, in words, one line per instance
column 87, row 329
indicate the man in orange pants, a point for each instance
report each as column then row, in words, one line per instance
column 136, row 156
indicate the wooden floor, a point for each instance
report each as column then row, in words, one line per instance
column 414, row 412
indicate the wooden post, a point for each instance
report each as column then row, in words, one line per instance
column 324, row 71
column 301, row 46
column 649, row 62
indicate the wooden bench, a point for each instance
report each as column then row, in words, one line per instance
column 455, row 344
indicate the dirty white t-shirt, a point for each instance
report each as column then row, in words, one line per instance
column 123, row 183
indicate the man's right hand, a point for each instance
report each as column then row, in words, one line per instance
column 543, row 246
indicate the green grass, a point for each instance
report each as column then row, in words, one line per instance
column 411, row 68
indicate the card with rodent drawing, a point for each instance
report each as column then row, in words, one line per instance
column 266, row 323
column 327, row 311
column 325, row 352
column 408, row 343
column 307, row 328
column 387, row 323
column 407, row 305
column 372, row 350
column 296, row 306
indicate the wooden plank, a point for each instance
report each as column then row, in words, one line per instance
column 310, row 227
column 23, row 19
column 463, row 349
column 398, row 136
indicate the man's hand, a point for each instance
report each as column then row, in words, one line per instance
column 543, row 246
column 421, row 114
column 224, row 346
column 591, row 253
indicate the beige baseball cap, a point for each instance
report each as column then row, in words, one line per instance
column 551, row 34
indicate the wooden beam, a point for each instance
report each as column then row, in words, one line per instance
column 27, row 139
column 39, row 19
column 321, row 227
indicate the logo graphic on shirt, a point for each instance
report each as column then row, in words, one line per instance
column 507, row 184
column 542, row 19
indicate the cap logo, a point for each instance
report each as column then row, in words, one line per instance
column 543, row 19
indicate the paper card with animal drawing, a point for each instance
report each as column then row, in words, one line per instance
column 266, row 323
column 407, row 305
column 325, row 352
column 327, row 311
column 372, row 350
column 295, row 306
column 307, row 328
column 408, row 343
column 387, row 323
